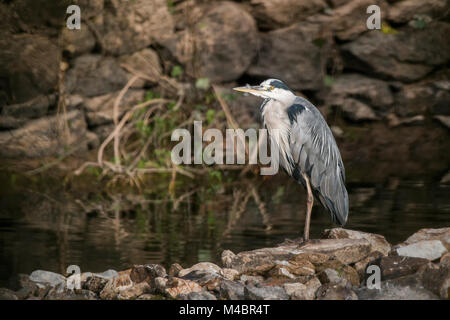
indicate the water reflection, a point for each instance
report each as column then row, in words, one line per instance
column 51, row 229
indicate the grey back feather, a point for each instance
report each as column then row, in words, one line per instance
column 314, row 152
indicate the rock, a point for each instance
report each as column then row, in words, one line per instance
column 95, row 75
column 272, row 14
column 442, row 234
column 227, row 258
column 147, row 296
column 145, row 61
column 77, row 42
column 395, row 267
column 133, row 25
column 47, row 277
column 159, row 284
column 437, row 279
column 300, row 291
column 330, row 276
column 147, row 273
column 406, row 56
column 373, row 91
column 404, row 11
column 411, row 121
column 134, row 291
column 414, row 100
column 444, row 120
column 202, row 266
column 445, row 259
column 32, row 109
column 345, row 20
column 203, row 295
column 260, row 261
column 337, row 131
column 65, row 294
column 208, row 280
column 427, row 249
column 337, row 291
column 405, row 288
column 91, row 8
column 175, row 269
column 45, row 136
column 115, row 286
column 220, row 46
column 297, row 64
column 251, row 280
column 6, row 294
column 108, row 274
column 345, row 250
column 377, row 242
column 177, row 286
column 361, row 266
column 230, row 274
column 231, row 290
column 265, row 293
column 29, row 63
column 355, row 110
column 95, row 284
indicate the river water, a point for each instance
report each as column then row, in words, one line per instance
column 47, row 225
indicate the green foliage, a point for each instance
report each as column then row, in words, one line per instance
column 150, row 95
column 387, row 29
column 328, row 80
column 210, row 115
column 319, row 42
column 177, row 71
column 278, row 196
column 202, row 84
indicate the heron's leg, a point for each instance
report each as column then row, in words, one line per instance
column 309, row 205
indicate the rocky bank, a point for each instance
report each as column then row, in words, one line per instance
column 397, row 75
column 337, row 267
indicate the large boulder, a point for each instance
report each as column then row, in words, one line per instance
column 94, row 75
column 282, row 13
column 293, row 55
column 404, row 11
column 133, row 25
column 46, row 136
column 29, row 64
column 220, row 45
column 406, row 55
column 375, row 92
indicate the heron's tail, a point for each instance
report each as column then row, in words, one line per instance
column 336, row 202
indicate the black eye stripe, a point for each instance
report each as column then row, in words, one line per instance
column 278, row 84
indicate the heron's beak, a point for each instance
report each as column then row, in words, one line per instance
column 251, row 89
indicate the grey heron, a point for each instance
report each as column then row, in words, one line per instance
column 308, row 150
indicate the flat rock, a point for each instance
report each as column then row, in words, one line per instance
column 442, row 234
column 427, row 249
column 46, row 136
column 231, row 290
column 265, row 293
column 396, row 266
column 356, row 110
column 336, row 291
column 203, row 295
column 404, row 11
column 134, row 291
column 377, row 242
column 202, row 266
column 273, row 14
column 177, row 286
column 405, row 288
column 302, row 291
column 407, row 55
column 47, row 277
column 374, row 91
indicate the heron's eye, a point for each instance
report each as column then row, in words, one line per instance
column 271, row 88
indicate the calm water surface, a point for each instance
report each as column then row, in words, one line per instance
column 47, row 226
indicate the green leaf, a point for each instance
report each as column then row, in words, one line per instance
column 328, row 80
column 202, row 84
column 177, row 71
column 210, row 114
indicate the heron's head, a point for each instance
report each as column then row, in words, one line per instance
column 270, row 89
